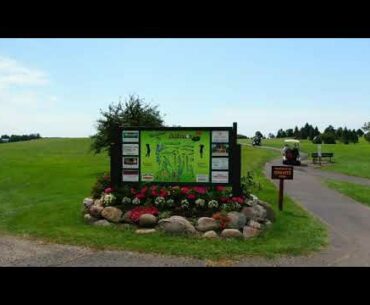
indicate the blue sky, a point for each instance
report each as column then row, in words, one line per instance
column 57, row 86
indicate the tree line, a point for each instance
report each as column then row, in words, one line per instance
column 18, row 138
column 330, row 135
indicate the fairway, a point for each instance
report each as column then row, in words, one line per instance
column 43, row 182
column 351, row 159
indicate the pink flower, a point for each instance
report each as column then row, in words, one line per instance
column 108, row 190
column 200, row 189
column 238, row 199
column 185, row 190
column 191, row 196
column 224, row 199
column 140, row 196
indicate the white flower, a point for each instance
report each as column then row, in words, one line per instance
column 159, row 200
column 212, row 204
column 170, row 202
column 136, row 201
column 126, row 200
column 224, row 206
column 200, row 202
column 108, row 199
column 184, row 203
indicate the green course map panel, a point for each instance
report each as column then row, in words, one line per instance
column 175, row 156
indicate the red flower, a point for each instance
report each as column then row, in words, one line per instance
column 144, row 190
column 108, row 190
column 153, row 188
column 219, row 188
column 138, row 211
column 238, row 199
column 191, row 196
column 185, row 190
column 154, row 193
column 224, row 199
column 163, row 193
column 133, row 191
column 200, row 189
column 140, row 196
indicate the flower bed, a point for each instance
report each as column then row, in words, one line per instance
column 178, row 209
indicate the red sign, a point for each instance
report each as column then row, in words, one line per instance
column 282, row 172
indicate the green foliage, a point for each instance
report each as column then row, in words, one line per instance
column 366, row 126
column 367, row 136
column 328, row 138
column 100, row 185
column 132, row 113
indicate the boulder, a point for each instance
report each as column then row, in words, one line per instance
column 102, row 223
column 95, row 210
column 254, row 224
column 145, row 231
column 237, row 220
column 270, row 214
column 226, row 233
column 98, row 202
column 112, row 214
column 147, row 221
column 90, row 219
column 210, row 235
column 176, row 225
column 255, row 212
column 88, row 202
column 207, row 224
column 126, row 218
column 249, row 232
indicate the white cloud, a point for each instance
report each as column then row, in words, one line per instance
column 14, row 73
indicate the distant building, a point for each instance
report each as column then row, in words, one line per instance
column 4, row 140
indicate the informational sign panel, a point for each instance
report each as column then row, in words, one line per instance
column 177, row 156
column 282, row 172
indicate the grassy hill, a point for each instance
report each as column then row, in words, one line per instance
column 351, row 159
column 43, row 182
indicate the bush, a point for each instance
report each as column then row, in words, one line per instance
column 102, row 183
column 328, row 138
column 367, row 136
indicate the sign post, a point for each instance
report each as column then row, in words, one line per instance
column 282, row 173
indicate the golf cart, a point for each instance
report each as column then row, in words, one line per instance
column 290, row 152
column 256, row 141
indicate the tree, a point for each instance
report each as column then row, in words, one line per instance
column 366, row 126
column 258, row 134
column 271, row 135
column 134, row 112
column 367, row 136
column 359, row 132
column 289, row 133
column 281, row 134
column 328, row 138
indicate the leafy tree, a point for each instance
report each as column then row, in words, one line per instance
column 281, row 134
column 271, row 135
column 367, row 136
column 366, row 126
column 134, row 112
column 328, row 138
column 258, row 134
column 289, row 133
column 296, row 133
column 359, row 132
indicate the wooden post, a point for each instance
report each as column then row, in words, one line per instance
column 236, row 162
column 281, row 194
column 116, row 159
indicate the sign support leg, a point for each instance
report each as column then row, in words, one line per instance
column 281, row 194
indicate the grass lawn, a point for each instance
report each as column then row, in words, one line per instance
column 360, row 193
column 351, row 159
column 43, row 182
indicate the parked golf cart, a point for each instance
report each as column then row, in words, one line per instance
column 256, row 141
column 290, row 152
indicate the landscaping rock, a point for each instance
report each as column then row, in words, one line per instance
column 147, row 220
column 176, row 225
column 112, row 214
column 102, row 223
column 207, row 224
column 270, row 214
column 254, row 224
column 145, row 231
column 95, row 210
column 126, row 217
column 88, row 202
column 249, row 232
column 237, row 220
column 227, row 233
column 98, row 202
column 255, row 212
column 210, row 235
column 89, row 218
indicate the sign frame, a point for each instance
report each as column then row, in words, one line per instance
column 234, row 168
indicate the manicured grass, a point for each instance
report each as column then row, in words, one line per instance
column 351, row 159
column 360, row 193
column 43, row 182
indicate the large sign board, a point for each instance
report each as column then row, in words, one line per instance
column 176, row 155
column 282, row 172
